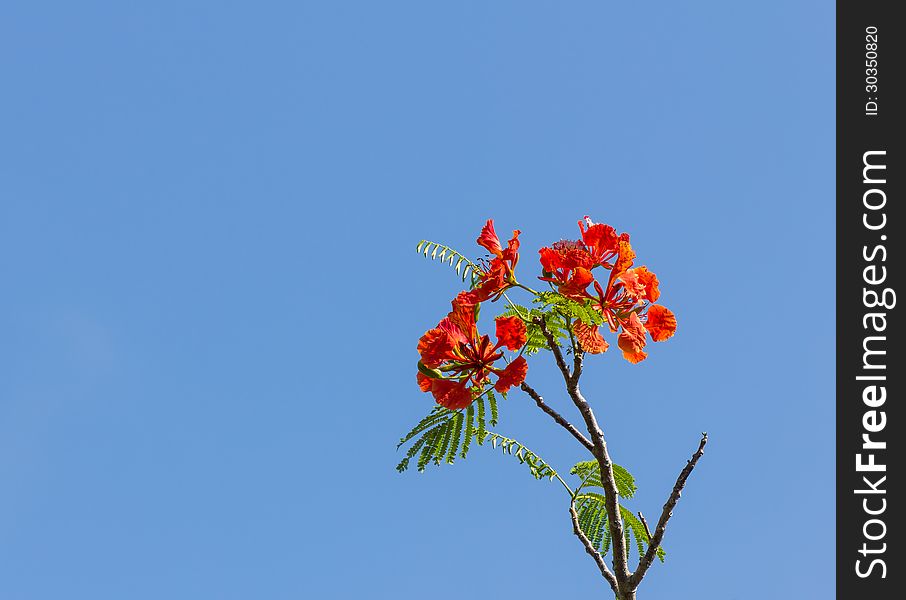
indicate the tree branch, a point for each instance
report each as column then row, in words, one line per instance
column 557, row 417
column 611, row 496
column 645, row 524
column 661, row 528
column 592, row 552
column 605, row 464
column 555, row 348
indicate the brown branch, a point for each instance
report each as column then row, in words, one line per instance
column 611, row 496
column 557, row 417
column 658, row 536
column 645, row 524
column 592, row 552
column 555, row 348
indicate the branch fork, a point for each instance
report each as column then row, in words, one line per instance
column 622, row 581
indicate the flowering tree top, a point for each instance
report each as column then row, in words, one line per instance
column 592, row 286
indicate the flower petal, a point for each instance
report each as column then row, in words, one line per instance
column 488, row 238
column 510, row 332
column 451, row 393
column 578, row 281
column 641, row 283
column 632, row 339
column 624, row 260
column 649, row 280
column 463, row 316
column 424, row 382
column 661, row 323
column 601, row 239
column 512, row 375
column 437, row 345
column 511, row 254
column 590, row 337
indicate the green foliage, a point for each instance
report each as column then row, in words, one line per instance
column 570, row 308
column 463, row 266
column 445, row 434
column 535, row 339
column 590, row 473
column 537, row 466
column 590, row 505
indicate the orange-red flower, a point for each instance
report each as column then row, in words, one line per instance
column 624, row 297
column 510, row 332
column 512, row 375
column 640, row 283
column 568, row 265
column 456, row 362
column 498, row 274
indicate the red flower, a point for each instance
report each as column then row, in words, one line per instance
column 625, row 300
column 568, row 265
column 512, row 375
column 601, row 240
column 456, row 362
column 510, row 332
column 641, row 283
column 498, row 274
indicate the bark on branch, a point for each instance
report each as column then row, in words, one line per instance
column 555, row 348
column 605, row 464
column 557, row 417
column 661, row 528
column 592, row 552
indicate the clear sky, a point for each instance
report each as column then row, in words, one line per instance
column 211, row 300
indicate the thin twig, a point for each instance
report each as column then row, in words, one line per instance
column 557, row 417
column 592, row 552
column 645, row 525
column 658, row 536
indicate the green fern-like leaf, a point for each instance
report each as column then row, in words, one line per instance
column 537, row 466
column 590, row 473
column 492, row 403
column 445, row 434
column 590, row 505
column 464, row 267
column 570, row 308
column 482, row 425
column 470, row 428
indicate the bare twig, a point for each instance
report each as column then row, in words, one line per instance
column 645, row 524
column 658, row 536
column 592, row 552
column 557, row 417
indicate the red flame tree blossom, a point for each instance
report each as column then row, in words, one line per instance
column 594, row 289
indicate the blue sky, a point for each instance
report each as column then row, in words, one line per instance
column 211, row 299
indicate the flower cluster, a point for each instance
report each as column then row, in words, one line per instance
column 626, row 300
column 456, row 361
